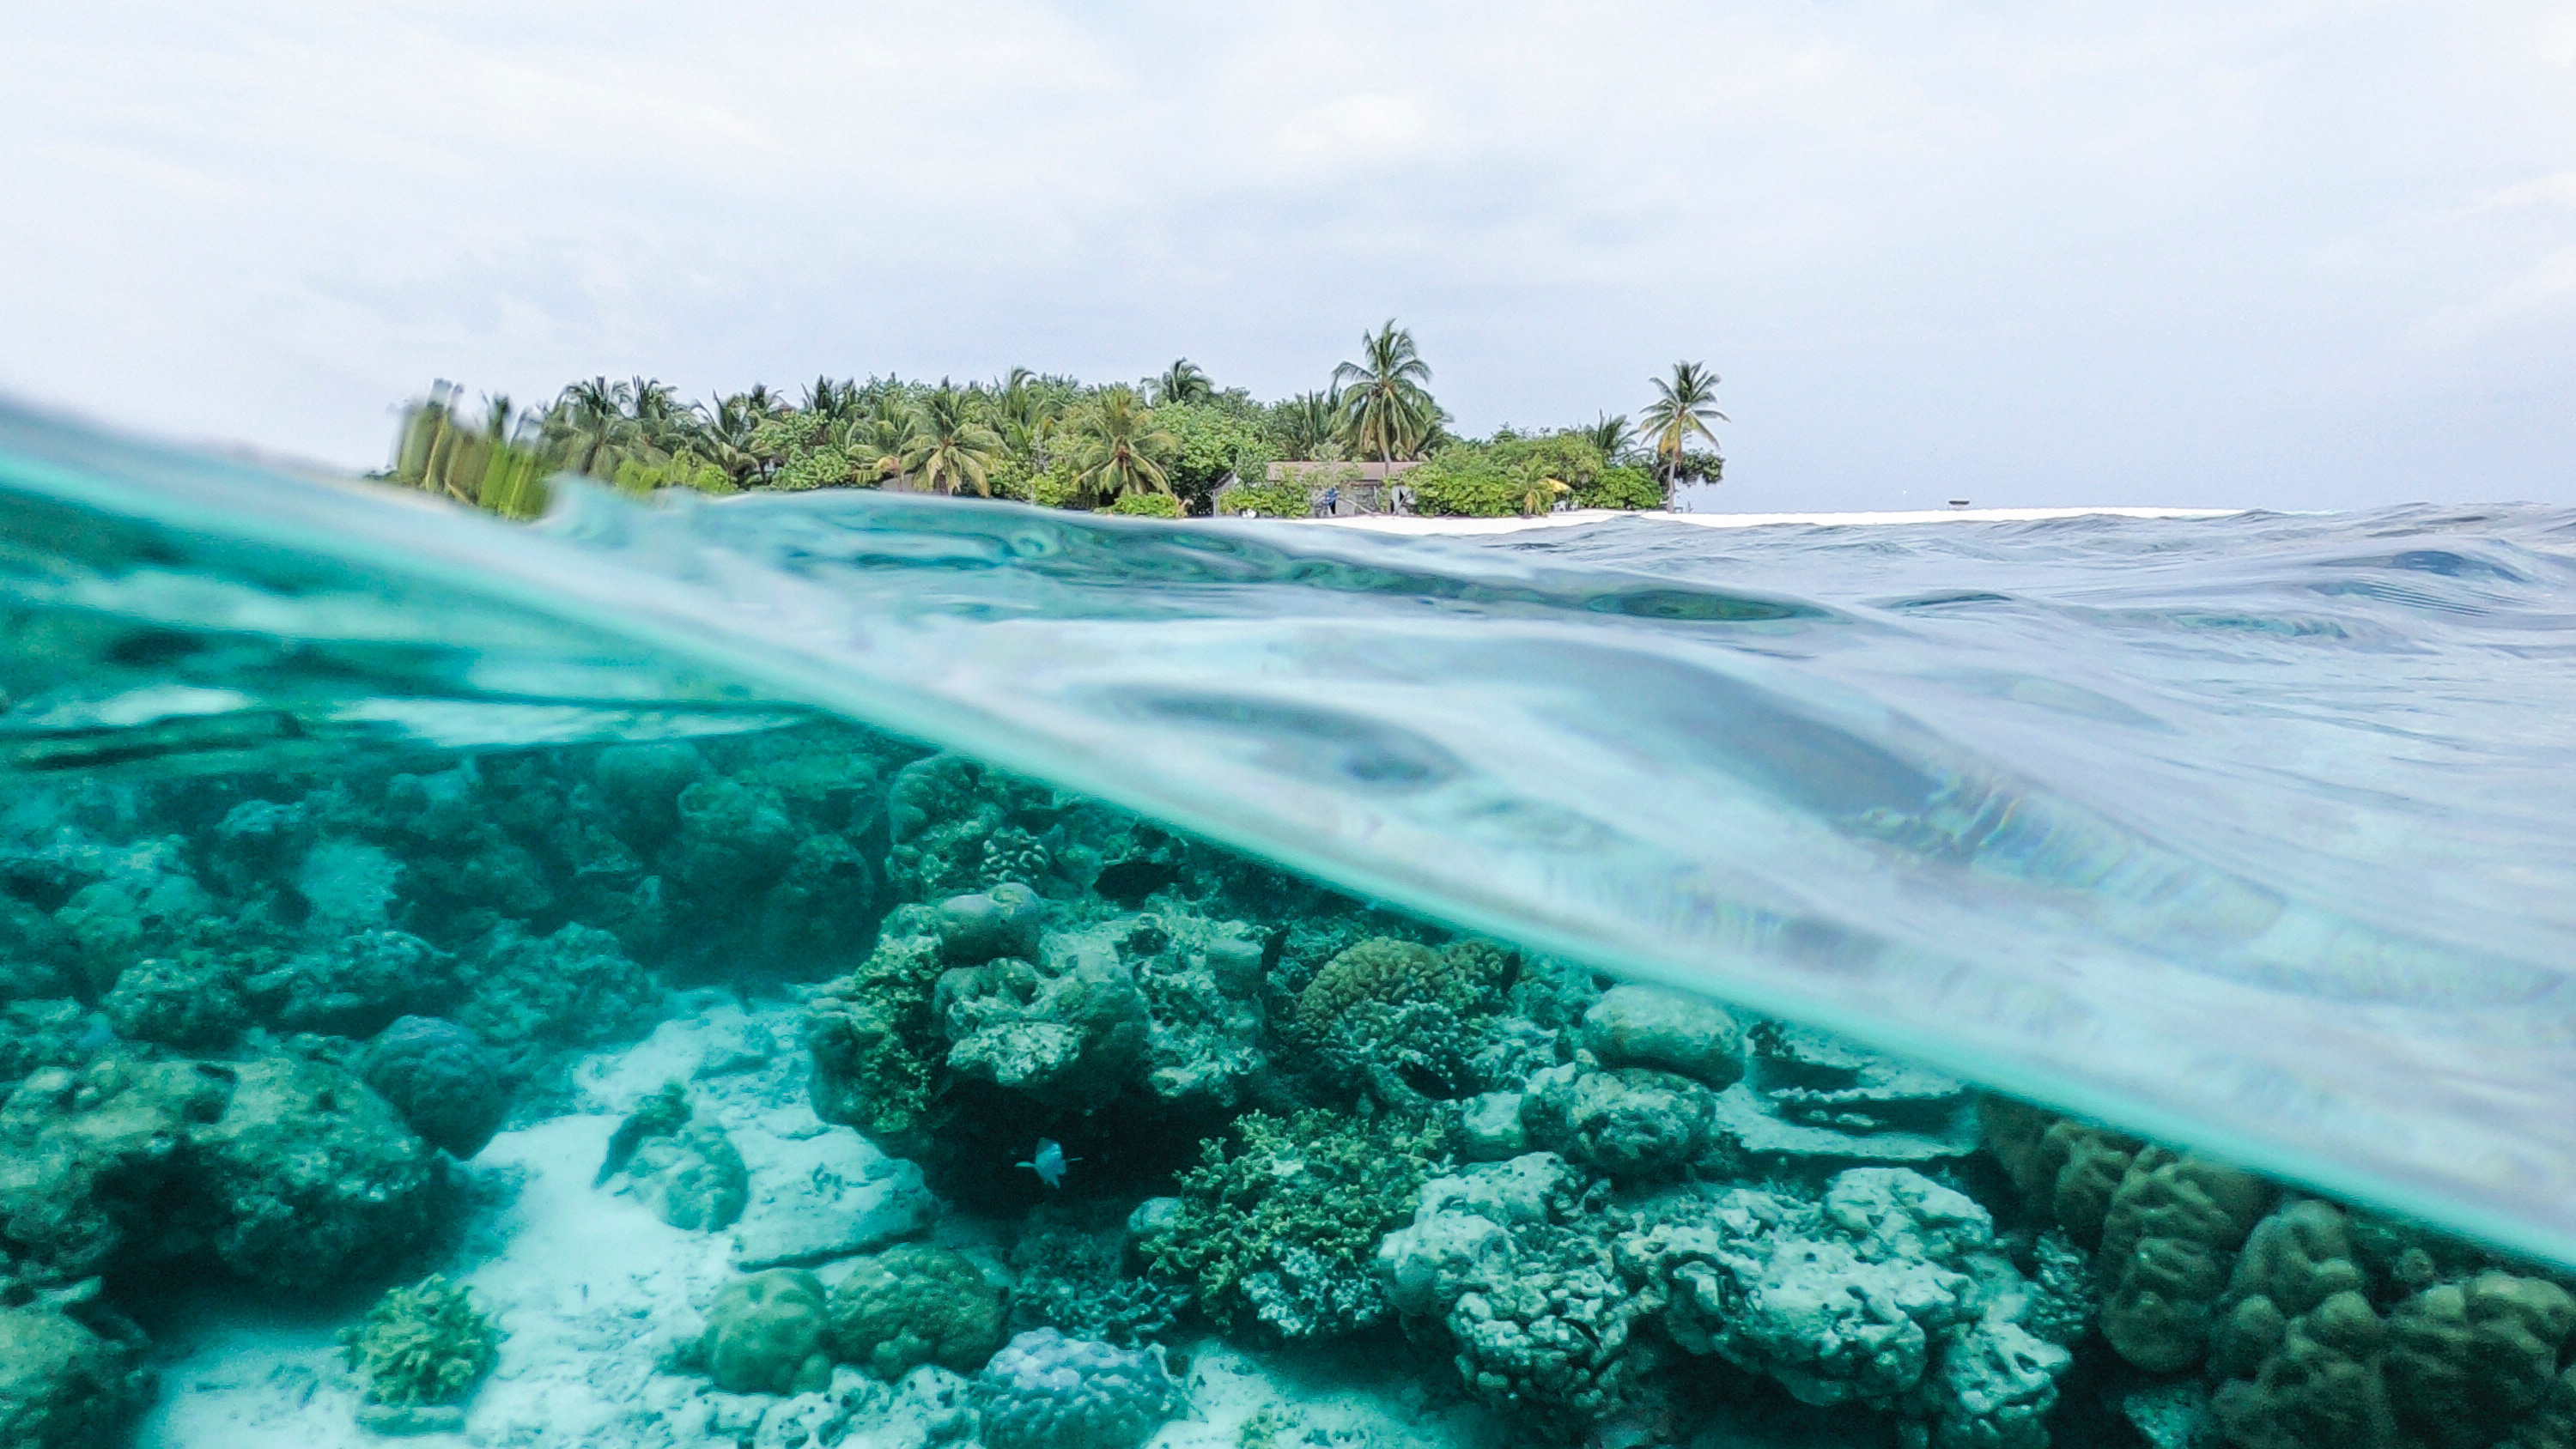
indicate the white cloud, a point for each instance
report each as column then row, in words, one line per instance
column 2031, row 252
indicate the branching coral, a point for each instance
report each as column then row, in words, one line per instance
column 1077, row 1279
column 426, row 1344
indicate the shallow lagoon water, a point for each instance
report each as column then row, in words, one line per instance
column 2245, row 834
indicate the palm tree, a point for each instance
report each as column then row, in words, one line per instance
column 493, row 467
column 1182, row 382
column 1385, row 407
column 884, row 439
column 834, row 400
column 1030, row 410
column 1540, row 495
column 1114, row 444
column 1308, row 424
column 592, row 429
column 1680, row 412
column 732, row 438
column 949, row 446
column 1609, row 433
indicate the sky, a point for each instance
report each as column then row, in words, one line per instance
column 2291, row 255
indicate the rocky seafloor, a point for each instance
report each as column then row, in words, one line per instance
column 814, row 1088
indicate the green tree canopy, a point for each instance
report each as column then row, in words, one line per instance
column 1117, row 446
column 1210, row 442
column 1680, row 412
column 1182, row 382
column 949, row 449
column 1384, row 398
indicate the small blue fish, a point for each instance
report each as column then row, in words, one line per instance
column 1051, row 1162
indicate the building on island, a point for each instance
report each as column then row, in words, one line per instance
column 1338, row 489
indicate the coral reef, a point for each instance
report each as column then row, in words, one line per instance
column 2317, row 1346
column 1280, row 1229
column 1047, row 1391
column 71, row 1372
column 446, row 1084
column 685, row 1170
column 423, row 1345
column 290, row 1173
column 765, row 1334
column 911, row 1305
column 243, row 1016
column 1084, row 1278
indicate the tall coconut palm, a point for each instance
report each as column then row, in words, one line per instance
column 1679, row 413
column 1182, row 382
column 885, row 437
column 1307, row 425
column 592, row 429
column 949, row 447
column 732, row 436
column 838, row 401
column 1385, row 404
column 1115, row 443
column 1610, row 433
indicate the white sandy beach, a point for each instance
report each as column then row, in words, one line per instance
column 1577, row 518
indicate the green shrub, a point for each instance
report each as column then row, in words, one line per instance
column 1056, row 487
column 642, row 478
column 426, row 1344
column 1146, row 505
column 1270, row 500
column 1464, row 481
column 1621, row 486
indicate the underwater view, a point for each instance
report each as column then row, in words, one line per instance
column 895, row 971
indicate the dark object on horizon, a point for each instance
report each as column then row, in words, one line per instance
column 1958, row 502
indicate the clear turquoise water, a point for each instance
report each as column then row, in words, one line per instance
column 2250, row 833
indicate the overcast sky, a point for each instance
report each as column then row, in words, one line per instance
column 2296, row 255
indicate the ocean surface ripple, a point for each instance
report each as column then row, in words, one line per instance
column 2249, row 832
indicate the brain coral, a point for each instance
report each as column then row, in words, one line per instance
column 911, row 1305
column 1385, row 970
column 1047, row 1391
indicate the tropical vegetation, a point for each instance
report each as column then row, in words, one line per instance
column 1163, row 447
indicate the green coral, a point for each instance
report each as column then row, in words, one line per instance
column 911, row 1305
column 427, row 1344
column 1075, row 1277
column 1398, row 1023
column 1383, row 970
column 1283, row 1228
column 876, row 1044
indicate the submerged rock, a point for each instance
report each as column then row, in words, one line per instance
column 65, row 1384
column 687, row 1171
column 986, row 925
column 1627, row 1121
column 1653, row 1026
column 290, row 1173
column 443, row 1081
